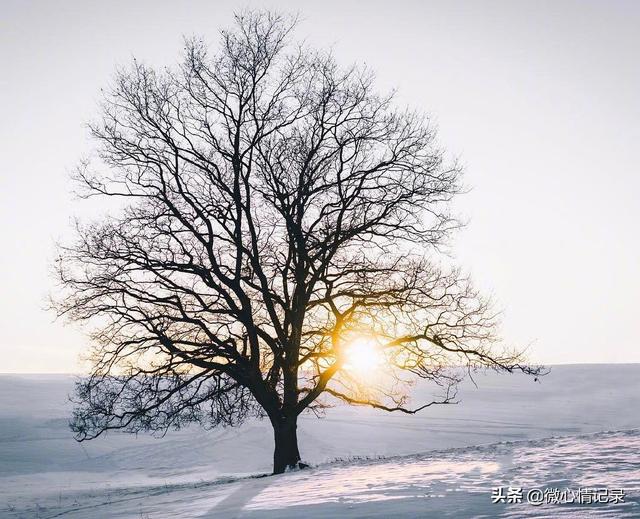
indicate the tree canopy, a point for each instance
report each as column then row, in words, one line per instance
column 276, row 211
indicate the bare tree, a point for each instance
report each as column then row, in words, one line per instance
column 276, row 211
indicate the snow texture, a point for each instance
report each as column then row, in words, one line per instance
column 578, row 427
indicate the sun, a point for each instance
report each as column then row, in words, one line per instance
column 363, row 355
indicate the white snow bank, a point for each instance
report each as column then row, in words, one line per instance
column 45, row 473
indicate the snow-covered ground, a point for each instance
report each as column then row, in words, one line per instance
column 508, row 432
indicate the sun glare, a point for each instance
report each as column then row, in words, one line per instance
column 363, row 355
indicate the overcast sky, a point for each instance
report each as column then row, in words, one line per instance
column 539, row 100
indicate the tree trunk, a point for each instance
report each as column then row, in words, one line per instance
column 286, row 454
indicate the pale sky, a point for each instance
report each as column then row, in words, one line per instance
column 539, row 100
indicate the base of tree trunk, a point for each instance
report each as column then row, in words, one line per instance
column 286, row 455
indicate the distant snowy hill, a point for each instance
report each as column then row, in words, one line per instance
column 45, row 473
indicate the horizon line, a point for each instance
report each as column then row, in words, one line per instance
column 71, row 373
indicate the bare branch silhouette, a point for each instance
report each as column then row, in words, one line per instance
column 276, row 208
